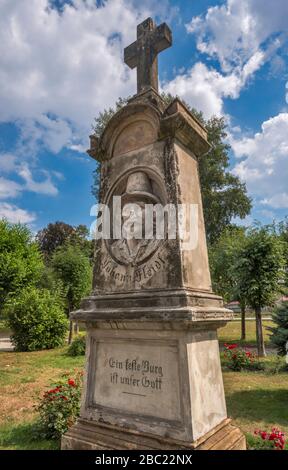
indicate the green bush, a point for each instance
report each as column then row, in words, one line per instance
column 77, row 347
column 279, row 336
column 20, row 261
column 37, row 320
column 59, row 408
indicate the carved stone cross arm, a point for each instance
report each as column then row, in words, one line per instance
column 151, row 40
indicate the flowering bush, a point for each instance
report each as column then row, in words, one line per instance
column 273, row 440
column 59, row 407
column 238, row 358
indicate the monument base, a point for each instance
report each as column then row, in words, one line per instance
column 87, row 435
column 153, row 376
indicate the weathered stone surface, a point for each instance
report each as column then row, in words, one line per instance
column 143, row 53
column 153, row 376
column 87, row 435
column 165, row 382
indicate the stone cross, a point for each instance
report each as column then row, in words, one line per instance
column 151, row 40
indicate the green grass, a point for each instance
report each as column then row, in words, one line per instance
column 231, row 333
column 23, row 379
column 22, row 437
column 254, row 399
column 257, row 400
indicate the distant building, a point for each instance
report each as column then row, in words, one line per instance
column 234, row 305
column 282, row 299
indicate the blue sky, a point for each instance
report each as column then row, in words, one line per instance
column 61, row 64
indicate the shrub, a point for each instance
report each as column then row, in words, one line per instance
column 279, row 336
column 37, row 320
column 274, row 440
column 59, row 407
column 238, row 358
column 77, row 347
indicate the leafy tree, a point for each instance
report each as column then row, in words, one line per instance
column 260, row 266
column 224, row 196
column 283, row 234
column 57, row 234
column 74, row 271
column 223, row 257
column 279, row 336
column 37, row 319
column 20, row 260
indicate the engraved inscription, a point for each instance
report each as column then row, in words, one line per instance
column 137, row 377
column 152, row 374
column 140, row 274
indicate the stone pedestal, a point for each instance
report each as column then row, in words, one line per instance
column 153, row 376
column 153, row 381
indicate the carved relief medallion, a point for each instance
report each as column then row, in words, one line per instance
column 137, row 188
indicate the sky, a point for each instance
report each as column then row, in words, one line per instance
column 61, row 63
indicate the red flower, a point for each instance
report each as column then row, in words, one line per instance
column 71, row 382
column 230, row 346
column 276, row 436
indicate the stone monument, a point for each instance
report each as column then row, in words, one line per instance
column 153, row 375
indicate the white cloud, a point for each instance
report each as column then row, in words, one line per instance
column 279, row 201
column 11, row 165
column 14, row 214
column 236, row 30
column 7, row 162
column 59, row 69
column 9, row 189
column 41, row 187
column 264, row 164
column 205, row 88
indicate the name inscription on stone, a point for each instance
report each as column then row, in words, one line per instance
column 140, row 274
column 138, row 378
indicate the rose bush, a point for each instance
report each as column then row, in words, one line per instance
column 59, row 407
column 238, row 358
column 271, row 440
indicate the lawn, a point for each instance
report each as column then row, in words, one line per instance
column 23, row 378
column 254, row 399
column 231, row 333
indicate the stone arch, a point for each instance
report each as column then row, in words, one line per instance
column 133, row 127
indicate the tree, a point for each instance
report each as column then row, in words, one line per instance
column 283, row 234
column 73, row 269
column 20, row 260
column 57, row 234
column 223, row 195
column 223, row 258
column 279, row 336
column 261, row 269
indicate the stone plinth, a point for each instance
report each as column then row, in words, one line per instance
column 153, row 384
